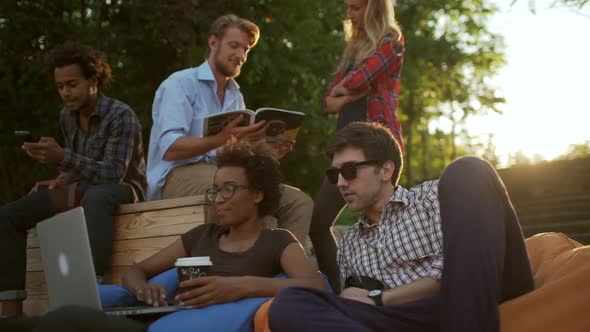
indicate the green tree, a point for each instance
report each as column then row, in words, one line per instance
column 575, row 151
column 521, row 158
column 143, row 45
column 450, row 56
column 145, row 42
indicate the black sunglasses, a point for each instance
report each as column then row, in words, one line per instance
column 348, row 170
column 226, row 191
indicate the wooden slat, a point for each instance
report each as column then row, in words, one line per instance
column 161, row 204
column 148, row 224
column 158, row 223
column 125, row 252
column 34, row 260
column 114, row 276
column 32, row 239
column 128, row 252
column 35, row 305
column 35, row 283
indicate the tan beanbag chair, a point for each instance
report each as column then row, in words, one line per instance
column 560, row 301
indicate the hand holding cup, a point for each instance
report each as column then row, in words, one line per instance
column 189, row 268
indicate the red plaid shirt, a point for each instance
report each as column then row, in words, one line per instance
column 380, row 76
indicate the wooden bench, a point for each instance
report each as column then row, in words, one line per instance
column 140, row 231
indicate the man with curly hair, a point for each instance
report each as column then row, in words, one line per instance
column 101, row 166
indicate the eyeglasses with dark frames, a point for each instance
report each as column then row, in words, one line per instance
column 226, row 191
column 348, row 170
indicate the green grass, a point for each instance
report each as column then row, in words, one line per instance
column 347, row 218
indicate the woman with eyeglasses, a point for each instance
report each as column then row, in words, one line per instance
column 365, row 88
column 245, row 256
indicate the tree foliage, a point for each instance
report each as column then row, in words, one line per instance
column 449, row 59
column 576, row 151
column 450, row 56
column 574, row 4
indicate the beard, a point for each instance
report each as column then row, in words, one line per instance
column 75, row 105
column 225, row 68
column 365, row 198
column 84, row 104
column 82, row 100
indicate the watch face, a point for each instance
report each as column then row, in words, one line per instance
column 375, row 292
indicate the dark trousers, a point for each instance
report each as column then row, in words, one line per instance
column 485, row 263
column 327, row 204
column 100, row 203
column 71, row 319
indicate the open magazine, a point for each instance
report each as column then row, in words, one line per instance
column 280, row 123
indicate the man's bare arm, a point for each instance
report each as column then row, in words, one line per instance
column 416, row 290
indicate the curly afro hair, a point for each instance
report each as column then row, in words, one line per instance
column 262, row 170
column 92, row 62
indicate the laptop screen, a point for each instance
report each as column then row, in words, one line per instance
column 67, row 260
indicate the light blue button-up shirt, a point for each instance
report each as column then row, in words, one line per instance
column 181, row 103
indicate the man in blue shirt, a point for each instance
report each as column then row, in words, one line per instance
column 180, row 159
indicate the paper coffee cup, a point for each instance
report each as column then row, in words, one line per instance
column 192, row 267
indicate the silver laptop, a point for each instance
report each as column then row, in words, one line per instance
column 69, row 270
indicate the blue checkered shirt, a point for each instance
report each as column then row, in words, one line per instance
column 404, row 246
column 112, row 146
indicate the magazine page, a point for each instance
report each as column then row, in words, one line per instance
column 213, row 124
column 280, row 123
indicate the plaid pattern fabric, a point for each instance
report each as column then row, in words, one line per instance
column 113, row 146
column 404, row 246
column 380, row 76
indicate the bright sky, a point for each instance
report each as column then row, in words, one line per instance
column 546, row 81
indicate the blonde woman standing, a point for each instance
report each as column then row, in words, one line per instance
column 365, row 88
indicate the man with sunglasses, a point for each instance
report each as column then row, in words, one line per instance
column 399, row 274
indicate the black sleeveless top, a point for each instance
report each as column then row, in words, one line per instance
column 353, row 111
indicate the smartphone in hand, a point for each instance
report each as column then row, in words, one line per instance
column 25, row 136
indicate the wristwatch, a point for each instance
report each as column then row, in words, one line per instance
column 377, row 296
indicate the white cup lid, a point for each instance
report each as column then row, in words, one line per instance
column 194, row 261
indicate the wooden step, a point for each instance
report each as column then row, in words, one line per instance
column 553, row 200
column 556, row 217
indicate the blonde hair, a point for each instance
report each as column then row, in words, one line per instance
column 222, row 23
column 379, row 21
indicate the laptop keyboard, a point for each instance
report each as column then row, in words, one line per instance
column 141, row 310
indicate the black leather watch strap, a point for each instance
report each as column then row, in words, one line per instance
column 377, row 297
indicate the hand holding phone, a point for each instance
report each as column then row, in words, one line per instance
column 24, row 136
column 46, row 150
column 41, row 185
